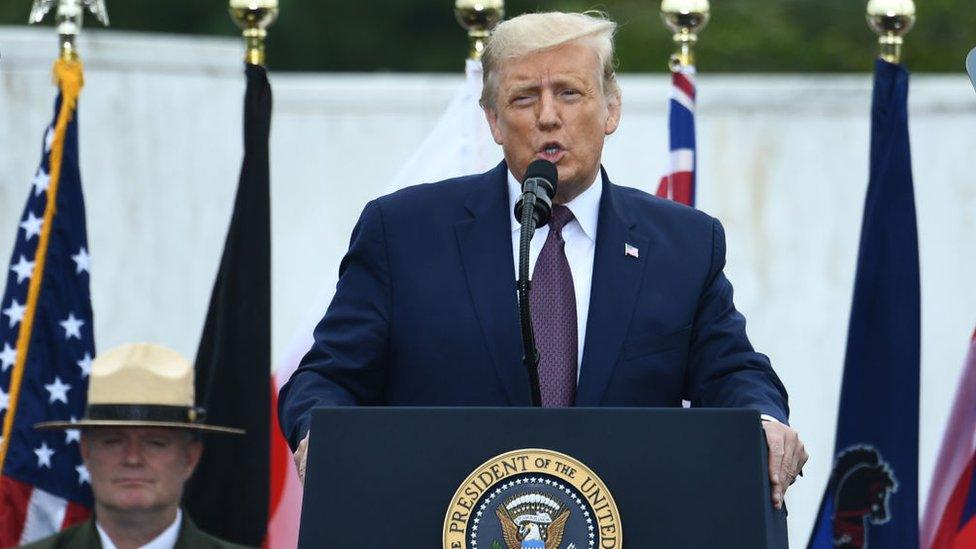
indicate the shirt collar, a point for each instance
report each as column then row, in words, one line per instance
column 585, row 207
column 165, row 540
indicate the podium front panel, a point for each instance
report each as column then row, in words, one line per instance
column 680, row 478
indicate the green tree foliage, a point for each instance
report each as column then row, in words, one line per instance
column 422, row 35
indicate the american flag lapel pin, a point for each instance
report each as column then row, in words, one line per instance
column 631, row 251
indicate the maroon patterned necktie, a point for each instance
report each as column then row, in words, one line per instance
column 554, row 315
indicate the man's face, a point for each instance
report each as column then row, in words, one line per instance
column 139, row 469
column 551, row 104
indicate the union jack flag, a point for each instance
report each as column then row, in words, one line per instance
column 679, row 183
column 46, row 340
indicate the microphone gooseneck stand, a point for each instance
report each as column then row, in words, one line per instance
column 530, row 353
column 532, row 209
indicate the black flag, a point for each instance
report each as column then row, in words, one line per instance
column 228, row 494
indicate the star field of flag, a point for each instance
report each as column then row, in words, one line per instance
column 45, row 466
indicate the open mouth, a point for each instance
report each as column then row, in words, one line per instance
column 552, row 151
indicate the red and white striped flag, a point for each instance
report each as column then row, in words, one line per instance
column 950, row 515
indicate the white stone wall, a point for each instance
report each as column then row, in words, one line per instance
column 783, row 163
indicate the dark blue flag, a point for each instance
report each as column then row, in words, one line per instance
column 46, row 340
column 871, row 500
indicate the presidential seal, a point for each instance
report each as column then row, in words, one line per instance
column 532, row 499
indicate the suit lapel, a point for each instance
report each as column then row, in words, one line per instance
column 613, row 294
column 87, row 535
column 485, row 241
column 190, row 536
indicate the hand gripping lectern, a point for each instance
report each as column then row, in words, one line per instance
column 531, row 478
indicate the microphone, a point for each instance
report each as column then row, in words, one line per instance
column 532, row 209
column 971, row 66
column 539, row 187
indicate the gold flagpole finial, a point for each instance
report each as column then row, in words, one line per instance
column 479, row 17
column 685, row 18
column 254, row 16
column 69, row 18
column 891, row 20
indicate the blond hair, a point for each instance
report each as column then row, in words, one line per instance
column 533, row 32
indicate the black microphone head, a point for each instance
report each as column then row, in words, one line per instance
column 543, row 169
column 539, row 186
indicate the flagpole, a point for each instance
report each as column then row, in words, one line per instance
column 233, row 360
column 479, row 17
column 52, row 283
column 891, row 20
column 685, row 18
column 254, row 17
column 878, row 415
column 69, row 79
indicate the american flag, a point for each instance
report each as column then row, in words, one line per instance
column 679, row 183
column 46, row 340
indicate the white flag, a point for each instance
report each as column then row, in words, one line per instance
column 460, row 144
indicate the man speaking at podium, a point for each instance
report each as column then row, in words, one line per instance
column 629, row 301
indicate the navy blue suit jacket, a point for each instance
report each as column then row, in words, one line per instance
column 425, row 311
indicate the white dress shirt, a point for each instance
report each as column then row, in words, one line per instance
column 165, row 540
column 580, row 237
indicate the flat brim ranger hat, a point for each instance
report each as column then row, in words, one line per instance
column 141, row 385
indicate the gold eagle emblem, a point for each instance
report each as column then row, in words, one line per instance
column 521, row 535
